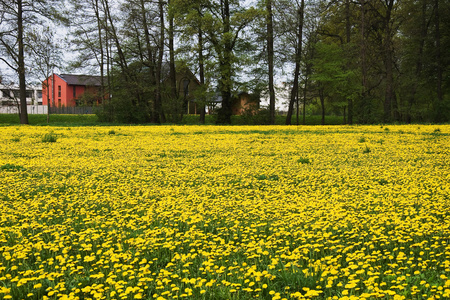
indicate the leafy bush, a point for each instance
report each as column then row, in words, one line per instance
column 252, row 117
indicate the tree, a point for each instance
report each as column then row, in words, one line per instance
column 332, row 76
column 270, row 56
column 195, row 50
column 223, row 23
column 45, row 55
column 16, row 17
column 12, row 47
column 133, row 35
column 300, row 10
column 390, row 101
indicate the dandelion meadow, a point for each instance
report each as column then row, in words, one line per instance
column 171, row 212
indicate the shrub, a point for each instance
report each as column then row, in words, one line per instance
column 252, row 117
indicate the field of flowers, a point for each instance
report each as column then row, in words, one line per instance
column 172, row 212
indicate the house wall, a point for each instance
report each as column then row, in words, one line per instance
column 193, row 84
column 54, row 83
column 44, row 90
column 66, row 99
column 243, row 103
column 10, row 94
column 191, row 107
column 68, row 95
column 79, row 90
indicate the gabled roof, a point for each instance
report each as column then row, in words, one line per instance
column 184, row 70
column 89, row 80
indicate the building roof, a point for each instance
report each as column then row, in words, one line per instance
column 89, row 80
column 180, row 69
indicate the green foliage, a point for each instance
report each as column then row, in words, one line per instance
column 88, row 99
column 265, row 177
column 366, row 149
column 11, row 168
column 441, row 112
column 49, row 138
column 303, row 160
column 131, row 99
column 260, row 117
column 55, row 120
column 339, row 83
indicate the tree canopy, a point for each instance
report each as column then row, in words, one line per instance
column 372, row 61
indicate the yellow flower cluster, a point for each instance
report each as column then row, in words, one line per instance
column 162, row 212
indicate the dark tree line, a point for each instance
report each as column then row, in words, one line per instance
column 368, row 60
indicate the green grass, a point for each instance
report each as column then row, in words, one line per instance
column 303, row 160
column 279, row 120
column 11, row 168
column 55, row 120
column 92, row 120
column 49, row 138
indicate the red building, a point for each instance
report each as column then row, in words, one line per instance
column 245, row 103
column 71, row 90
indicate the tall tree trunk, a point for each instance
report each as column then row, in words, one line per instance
column 137, row 100
column 224, row 116
column 390, row 102
column 154, row 114
column 322, row 103
column 172, row 71
column 438, row 51
column 108, row 69
column 21, row 66
column 202, row 74
column 348, row 36
column 298, row 55
column 363, row 55
column 102, row 56
column 297, row 101
column 304, row 100
column 122, row 60
column 270, row 60
column 419, row 63
column 108, row 63
column 47, row 83
column 159, row 114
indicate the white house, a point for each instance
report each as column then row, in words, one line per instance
column 9, row 99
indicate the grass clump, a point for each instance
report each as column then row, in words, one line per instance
column 303, row 160
column 11, row 168
column 366, row 149
column 49, row 138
